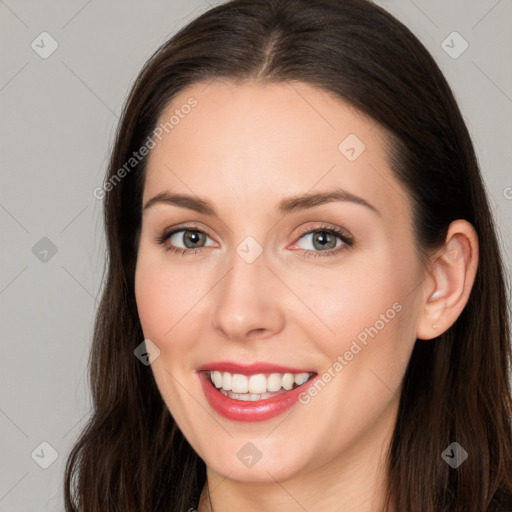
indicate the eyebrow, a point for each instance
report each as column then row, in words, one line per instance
column 295, row 203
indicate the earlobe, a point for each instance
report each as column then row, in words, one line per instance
column 452, row 274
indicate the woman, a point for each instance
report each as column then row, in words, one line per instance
column 303, row 259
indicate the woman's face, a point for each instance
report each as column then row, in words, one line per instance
column 261, row 276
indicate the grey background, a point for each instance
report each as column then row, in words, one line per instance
column 58, row 117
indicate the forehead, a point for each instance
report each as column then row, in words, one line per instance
column 267, row 141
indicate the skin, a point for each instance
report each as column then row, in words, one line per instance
column 244, row 148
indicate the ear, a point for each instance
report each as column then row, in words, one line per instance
column 451, row 276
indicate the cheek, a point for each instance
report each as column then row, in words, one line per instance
column 150, row 297
column 155, row 296
column 369, row 307
column 354, row 296
column 167, row 300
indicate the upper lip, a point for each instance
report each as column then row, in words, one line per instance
column 250, row 368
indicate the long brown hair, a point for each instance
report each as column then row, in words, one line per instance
column 131, row 456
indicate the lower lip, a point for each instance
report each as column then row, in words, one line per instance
column 259, row 410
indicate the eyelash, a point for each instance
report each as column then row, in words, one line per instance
column 347, row 240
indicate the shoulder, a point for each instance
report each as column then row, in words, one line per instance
column 501, row 502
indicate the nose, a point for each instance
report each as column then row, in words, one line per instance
column 248, row 301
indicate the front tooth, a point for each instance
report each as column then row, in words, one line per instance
column 300, row 378
column 274, row 382
column 217, row 379
column 226, row 381
column 239, row 383
column 257, row 383
column 288, row 380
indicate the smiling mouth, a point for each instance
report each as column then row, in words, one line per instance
column 260, row 386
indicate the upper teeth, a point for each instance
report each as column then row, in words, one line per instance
column 258, row 383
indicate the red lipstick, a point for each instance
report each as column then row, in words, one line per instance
column 250, row 368
column 250, row 411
